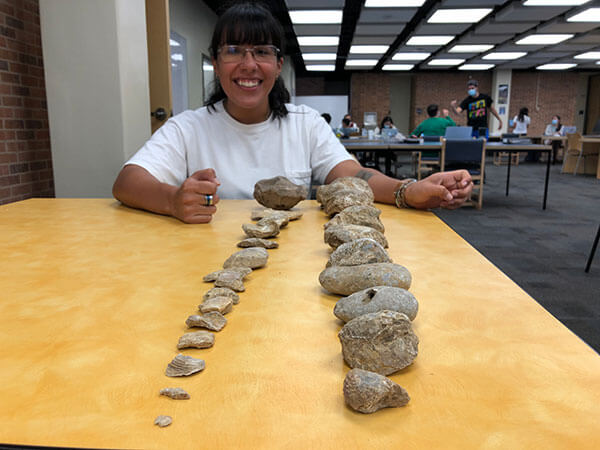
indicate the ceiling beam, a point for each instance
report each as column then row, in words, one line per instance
column 350, row 17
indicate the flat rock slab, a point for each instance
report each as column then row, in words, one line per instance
column 183, row 366
column 376, row 299
column 252, row 258
column 222, row 305
column 257, row 242
column 365, row 215
column 260, row 213
column 367, row 392
column 341, row 234
column 381, row 342
column 197, row 339
column 212, row 320
column 264, row 228
column 346, row 280
column 222, row 292
column 358, row 252
column 230, row 278
column 279, row 193
column 175, row 393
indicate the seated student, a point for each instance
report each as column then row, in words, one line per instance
column 554, row 128
column 520, row 122
column 346, row 129
column 387, row 127
column 350, row 123
column 249, row 131
column 435, row 125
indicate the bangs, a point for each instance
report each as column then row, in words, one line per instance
column 248, row 32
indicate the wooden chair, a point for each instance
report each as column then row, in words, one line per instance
column 429, row 162
column 575, row 148
column 467, row 154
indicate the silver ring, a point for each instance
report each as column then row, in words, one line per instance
column 208, row 199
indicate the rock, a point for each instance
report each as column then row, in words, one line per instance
column 163, row 421
column 175, row 393
column 222, row 305
column 375, row 299
column 260, row 213
column 222, row 292
column 264, row 228
column 252, row 258
column 212, row 320
column 182, row 366
column 197, row 339
column 230, row 278
column 365, row 215
column 345, row 198
column 346, row 280
column 381, row 342
column 257, row 242
column 326, row 191
column 357, row 252
column 368, row 392
column 279, row 193
column 340, row 234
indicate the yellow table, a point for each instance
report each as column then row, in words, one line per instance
column 94, row 297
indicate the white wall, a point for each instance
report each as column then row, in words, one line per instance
column 500, row 77
column 334, row 105
column 96, row 69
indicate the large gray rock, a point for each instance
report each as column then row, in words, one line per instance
column 252, row 258
column 345, row 198
column 365, row 215
column 326, row 191
column 346, row 280
column 340, row 234
column 375, row 299
column 357, row 252
column 368, row 392
column 279, row 193
column 381, row 342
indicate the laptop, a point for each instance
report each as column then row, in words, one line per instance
column 459, row 133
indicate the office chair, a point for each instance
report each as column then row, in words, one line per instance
column 467, row 154
column 428, row 161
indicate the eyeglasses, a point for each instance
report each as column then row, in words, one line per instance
column 236, row 53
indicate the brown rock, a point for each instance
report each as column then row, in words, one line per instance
column 175, row 393
column 346, row 198
column 229, row 278
column 197, row 339
column 212, row 320
column 368, row 392
column 252, row 258
column 278, row 193
column 257, row 242
column 183, row 365
column 346, row 280
column 222, row 292
column 222, row 305
column 326, row 191
column 340, row 234
column 357, row 252
column 264, row 228
column 260, row 213
column 365, row 215
column 376, row 299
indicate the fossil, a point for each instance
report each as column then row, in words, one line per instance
column 264, row 228
column 260, row 213
column 326, row 191
column 346, row 280
column 375, row 299
column 381, row 342
column 182, row 366
column 279, row 193
column 229, row 278
column 357, row 252
column 222, row 305
column 253, row 258
column 367, row 392
column 212, row 320
column 345, row 198
column 222, row 292
column 340, row 234
column 365, row 215
column 163, row 421
column 175, row 393
column 197, row 339
column 257, row 242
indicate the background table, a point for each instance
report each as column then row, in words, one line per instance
column 94, row 299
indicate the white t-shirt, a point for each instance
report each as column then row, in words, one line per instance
column 299, row 146
column 521, row 127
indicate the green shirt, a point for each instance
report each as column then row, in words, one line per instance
column 434, row 126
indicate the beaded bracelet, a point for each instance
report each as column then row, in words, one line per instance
column 399, row 194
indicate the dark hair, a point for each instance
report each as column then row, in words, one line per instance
column 346, row 122
column 432, row 110
column 522, row 113
column 386, row 119
column 327, row 117
column 249, row 23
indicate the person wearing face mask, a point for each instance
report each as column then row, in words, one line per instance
column 477, row 106
column 554, row 128
column 387, row 126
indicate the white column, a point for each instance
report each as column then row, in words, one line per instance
column 501, row 86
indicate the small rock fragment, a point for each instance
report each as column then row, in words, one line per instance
column 340, row 234
column 368, row 392
column 264, row 228
column 175, row 393
column 230, row 278
column 183, row 365
column 357, row 252
column 252, row 258
column 197, row 339
column 279, row 193
column 257, row 242
column 375, row 299
column 212, row 320
column 222, row 292
column 365, row 215
column 346, row 280
column 163, row 421
column 259, row 213
column 222, row 305
column 381, row 342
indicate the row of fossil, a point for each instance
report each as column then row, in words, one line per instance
column 219, row 300
column 377, row 338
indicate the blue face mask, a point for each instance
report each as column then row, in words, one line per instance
column 554, row 122
column 386, row 126
column 472, row 92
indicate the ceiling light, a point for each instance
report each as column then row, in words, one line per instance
column 416, row 56
column 588, row 55
column 316, row 16
column 429, row 40
column 398, row 67
column 555, row 66
column 361, row 62
column 589, row 15
column 598, row 62
column 319, row 56
column 321, row 67
column 377, row 49
column 554, row 2
column 393, row 3
column 476, row 66
column 470, row 15
column 318, row 40
column 504, row 55
column 445, row 62
column 543, row 39
column 471, row 48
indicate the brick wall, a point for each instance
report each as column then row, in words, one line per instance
column 25, row 158
column 370, row 92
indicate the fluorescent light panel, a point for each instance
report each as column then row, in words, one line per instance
column 429, row 40
column 476, row 48
column 321, row 67
column 318, row 40
column 393, row 3
column 588, row 55
column 543, row 39
column 589, row 15
column 416, row 56
column 445, row 62
column 476, row 66
column 398, row 67
column 368, row 49
column 319, row 56
column 361, row 62
column 316, row 16
column 555, row 66
column 504, row 55
column 470, row 15
column 554, row 2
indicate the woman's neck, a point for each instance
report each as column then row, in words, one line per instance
column 246, row 116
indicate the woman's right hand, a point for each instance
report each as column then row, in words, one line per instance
column 191, row 202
